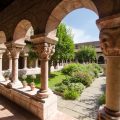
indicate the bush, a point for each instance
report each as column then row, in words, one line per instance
column 71, row 68
column 79, row 87
column 93, row 69
column 102, row 99
column 71, row 94
column 80, row 77
column 60, row 87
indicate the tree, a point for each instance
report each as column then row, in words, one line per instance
column 65, row 46
column 86, row 54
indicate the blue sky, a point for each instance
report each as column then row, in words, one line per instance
column 83, row 24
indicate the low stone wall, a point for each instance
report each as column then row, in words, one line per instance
column 43, row 109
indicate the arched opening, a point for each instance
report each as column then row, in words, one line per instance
column 22, row 29
column 60, row 12
column 64, row 8
column 101, row 60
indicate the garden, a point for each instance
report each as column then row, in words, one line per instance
column 70, row 81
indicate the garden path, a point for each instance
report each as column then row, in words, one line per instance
column 86, row 107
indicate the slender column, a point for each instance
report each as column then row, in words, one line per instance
column 15, row 51
column 25, row 60
column 1, row 75
column 52, row 66
column 57, row 66
column 45, row 47
column 110, row 44
column 36, row 63
column 10, row 61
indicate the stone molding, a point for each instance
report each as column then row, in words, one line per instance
column 110, row 36
column 44, row 46
column 15, row 49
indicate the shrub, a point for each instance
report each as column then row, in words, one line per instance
column 98, row 67
column 71, row 68
column 79, row 87
column 84, row 78
column 71, row 94
column 102, row 99
column 60, row 87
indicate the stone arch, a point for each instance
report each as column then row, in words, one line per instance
column 63, row 8
column 2, row 37
column 21, row 29
column 101, row 60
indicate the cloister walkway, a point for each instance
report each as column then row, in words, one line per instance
column 86, row 107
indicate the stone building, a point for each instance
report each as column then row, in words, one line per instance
column 100, row 56
column 17, row 16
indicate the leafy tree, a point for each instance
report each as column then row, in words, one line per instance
column 86, row 54
column 65, row 46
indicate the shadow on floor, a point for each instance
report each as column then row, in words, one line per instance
column 12, row 111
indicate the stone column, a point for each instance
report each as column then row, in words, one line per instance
column 110, row 44
column 36, row 63
column 25, row 60
column 57, row 66
column 10, row 61
column 45, row 47
column 52, row 66
column 15, row 51
column 1, row 75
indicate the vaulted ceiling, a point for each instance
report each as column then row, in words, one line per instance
column 4, row 4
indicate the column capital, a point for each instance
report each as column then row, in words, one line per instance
column 14, row 49
column 44, row 46
column 110, row 35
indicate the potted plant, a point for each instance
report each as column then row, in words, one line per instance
column 6, row 75
column 24, row 82
column 32, row 84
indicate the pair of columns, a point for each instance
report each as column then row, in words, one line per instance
column 14, row 51
column 110, row 45
column 25, row 61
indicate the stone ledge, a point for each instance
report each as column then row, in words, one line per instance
column 43, row 109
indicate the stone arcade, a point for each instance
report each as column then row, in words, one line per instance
column 17, row 16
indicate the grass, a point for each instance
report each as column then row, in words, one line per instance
column 55, row 77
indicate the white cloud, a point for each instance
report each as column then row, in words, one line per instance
column 81, row 36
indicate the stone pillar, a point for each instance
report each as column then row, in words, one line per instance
column 110, row 44
column 36, row 63
column 57, row 66
column 52, row 66
column 1, row 75
column 45, row 47
column 10, row 61
column 25, row 60
column 15, row 51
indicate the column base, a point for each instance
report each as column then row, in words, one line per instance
column 16, row 84
column 42, row 94
column 107, row 114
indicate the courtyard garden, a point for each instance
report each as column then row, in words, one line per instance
column 70, row 81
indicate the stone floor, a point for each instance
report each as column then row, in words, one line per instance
column 86, row 107
column 11, row 111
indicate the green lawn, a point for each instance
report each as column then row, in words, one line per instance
column 55, row 77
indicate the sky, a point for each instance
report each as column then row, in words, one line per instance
column 83, row 25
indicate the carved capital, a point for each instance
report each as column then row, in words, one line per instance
column 14, row 49
column 45, row 50
column 110, row 36
column 44, row 46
